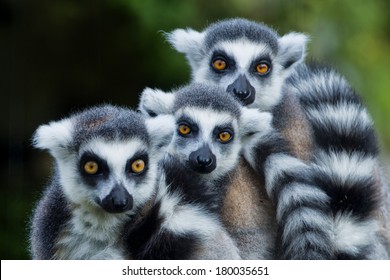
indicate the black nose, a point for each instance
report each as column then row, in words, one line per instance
column 118, row 200
column 242, row 90
column 203, row 160
column 241, row 94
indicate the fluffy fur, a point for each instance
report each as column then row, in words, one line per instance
column 208, row 110
column 182, row 223
column 82, row 216
column 170, row 217
column 345, row 162
column 322, row 122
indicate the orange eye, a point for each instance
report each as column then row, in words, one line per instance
column 91, row 167
column 138, row 166
column 262, row 68
column 224, row 136
column 219, row 64
column 184, row 129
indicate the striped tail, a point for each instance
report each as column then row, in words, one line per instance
column 345, row 158
column 302, row 211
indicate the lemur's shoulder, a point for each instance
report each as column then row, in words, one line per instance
column 291, row 121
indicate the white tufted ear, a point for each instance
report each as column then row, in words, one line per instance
column 155, row 102
column 253, row 121
column 292, row 49
column 55, row 136
column 189, row 42
column 160, row 129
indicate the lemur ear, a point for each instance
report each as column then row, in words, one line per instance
column 292, row 49
column 155, row 102
column 160, row 129
column 253, row 121
column 55, row 136
column 189, row 42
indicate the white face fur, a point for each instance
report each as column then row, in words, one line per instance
column 242, row 57
column 207, row 134
column 244, row 54
column 115, row 161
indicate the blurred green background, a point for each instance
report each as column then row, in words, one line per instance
column 61, row 56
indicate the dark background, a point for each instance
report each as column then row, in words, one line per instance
column 60, row 56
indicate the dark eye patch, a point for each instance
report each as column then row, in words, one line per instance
column 102, row 172
column 222, row 55
column 262, row 59
column 190, row 123
column 139, row 155
column 223, row 128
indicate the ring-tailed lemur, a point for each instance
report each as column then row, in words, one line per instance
column 345, row 161
column 258, row 149
column 106, row 184
column 211, row 128
column 105, row 175
column 252, row 62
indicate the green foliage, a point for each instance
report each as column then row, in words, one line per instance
column 61, row 56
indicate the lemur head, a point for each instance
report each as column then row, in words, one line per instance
column 247, row 59
column 105, row 157
column 211, row 127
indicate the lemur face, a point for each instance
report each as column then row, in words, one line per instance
column 106, row 157
column 206, row 140
column 114, row 175
column 245, row 58
column 249, row 71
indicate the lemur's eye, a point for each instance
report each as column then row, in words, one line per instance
column 91, row 167
column 184, row 129
column 138, row 166
column 219, row 64
column 224, row 136
column 262, row 68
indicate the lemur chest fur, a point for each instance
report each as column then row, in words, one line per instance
column 248, row 213
column 90, row 236
column 246, row 199
column 291, row 121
